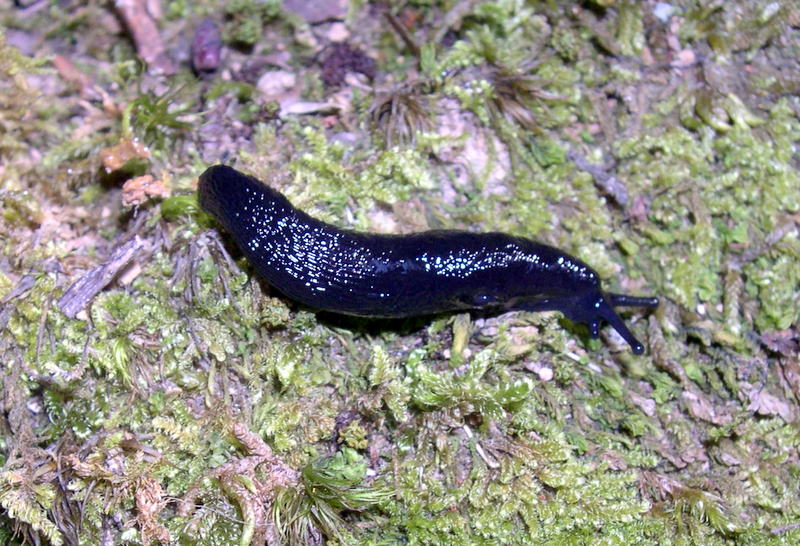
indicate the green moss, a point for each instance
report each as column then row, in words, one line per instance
column 29, row 503
column 630, row 29
column 775, row 281
column 17, row 96
column 385, row 177
column 243, row 91
column 329, row 485
column 172, row 208
column 468, row 390
column 355, row 436
column 385, row 377
column 19, row 206
column 247, row 18
column 517, row 429
column 157, row 119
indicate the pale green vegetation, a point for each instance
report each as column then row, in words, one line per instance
column 188, row 402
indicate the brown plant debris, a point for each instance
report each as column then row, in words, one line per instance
column 400, row 113
column 115, row 157
column 252, row 481
column 612, row 185
column 343, row 58
column 142, row 26
column 149, row 503
column 140, row 189
column 91, row 283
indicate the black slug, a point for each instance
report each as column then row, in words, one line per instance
column 376, row 275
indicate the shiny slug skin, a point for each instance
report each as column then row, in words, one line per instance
column 376, row 275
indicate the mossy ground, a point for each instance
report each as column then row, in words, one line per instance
column 188, row 403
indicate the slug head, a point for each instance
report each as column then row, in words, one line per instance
column 595, row 307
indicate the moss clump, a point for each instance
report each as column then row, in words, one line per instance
column 247, row 19
column 188, row 378
column 16, row 97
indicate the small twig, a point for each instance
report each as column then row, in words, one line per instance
column 491, row 463
column 42, row 323
column 221, row 249
column 454, row 17
column 223, row 275
column 78, row 371
column 783, row 528
column 204, row 363
column 608, row 182
column 146, row 37
column 401, row 30
column 193, row 286
column 90, row 284
column 22, row 288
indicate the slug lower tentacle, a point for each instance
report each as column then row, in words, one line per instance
column 376, row 275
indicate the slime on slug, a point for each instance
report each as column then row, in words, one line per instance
column 377, row 275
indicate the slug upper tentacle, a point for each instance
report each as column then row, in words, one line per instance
column 376, row 275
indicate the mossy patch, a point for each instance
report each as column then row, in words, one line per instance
column 187, row 379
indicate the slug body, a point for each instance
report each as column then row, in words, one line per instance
column 376, row 275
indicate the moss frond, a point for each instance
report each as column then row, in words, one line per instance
column 468, row 391
column 704, row 507
column 27, row 501
column 400, row 113
column 157, row 119
column 328, row 487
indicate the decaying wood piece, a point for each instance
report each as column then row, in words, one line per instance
column 90, row 284
column 141, row 23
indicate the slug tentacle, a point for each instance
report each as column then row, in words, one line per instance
column 607, row 313
column 376, row 275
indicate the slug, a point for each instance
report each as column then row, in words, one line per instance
column 375, row 275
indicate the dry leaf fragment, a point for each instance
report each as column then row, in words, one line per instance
column 70, row 73
column 791, row 371
column 115, row 157
column 647, row 405
column 701, row 408
column 764, row 403
column 140, row 189
column 729, row 459
column 207, row 46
